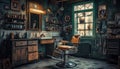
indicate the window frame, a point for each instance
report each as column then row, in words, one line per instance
column 75, row 24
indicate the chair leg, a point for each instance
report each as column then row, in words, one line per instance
column 65, row 63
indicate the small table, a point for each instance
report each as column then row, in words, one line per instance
column 64, row 63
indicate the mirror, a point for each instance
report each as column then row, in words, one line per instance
column 35, row 16
column 35, row 21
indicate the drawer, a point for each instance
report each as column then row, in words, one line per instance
column 112, row 51
column 32, row 48
column 35, row 55
column 112, row 44
column 47, row 41
column 20, row 43
column 33, row 42
column 32, row 56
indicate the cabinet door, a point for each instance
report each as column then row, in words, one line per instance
column 16, row 55
column 19, row 55
column 24, row 54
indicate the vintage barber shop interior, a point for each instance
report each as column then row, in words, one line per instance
column 59, row 34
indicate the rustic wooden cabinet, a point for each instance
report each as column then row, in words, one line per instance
column 32, row 50
column 112, row 50
column 113, row 46
column 23, row 51
column 113, row 42
column 19, row 52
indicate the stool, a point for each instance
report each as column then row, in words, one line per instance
column 64, row 63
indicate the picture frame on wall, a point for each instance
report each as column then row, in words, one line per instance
column 15, row 5
column 102, row 11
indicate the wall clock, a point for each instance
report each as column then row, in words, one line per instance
column 102, row 13
column 67, row 18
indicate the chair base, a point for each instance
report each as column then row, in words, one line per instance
column 68, row 64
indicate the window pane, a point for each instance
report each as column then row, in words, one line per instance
column 88, row 33
column 89, row 13
column 75, row 8
column 81, row 33
column 81, row 14
column 81, row 7
column 89, row 16
column 80, row 26
column 89, row 6
column 88, row 19
column 88, row 26
column 81, row 20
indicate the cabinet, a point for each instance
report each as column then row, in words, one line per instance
column 19, row 52
column 32, row 50
column 113, row 42
column 113, row 46
column 24, row 51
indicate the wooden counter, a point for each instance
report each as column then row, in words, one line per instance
column 46, row 41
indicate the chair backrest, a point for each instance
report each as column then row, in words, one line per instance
column 75, row 39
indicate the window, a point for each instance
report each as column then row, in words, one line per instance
column 83, row 19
